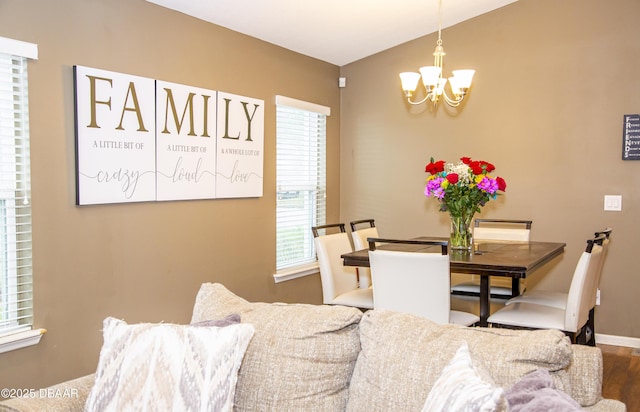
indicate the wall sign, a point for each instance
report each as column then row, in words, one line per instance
column 240, row 146
column 186, row 142
column 631, row 137
column 140, row 139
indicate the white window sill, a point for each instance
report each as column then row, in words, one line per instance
column 296, row 272
column 21, row 340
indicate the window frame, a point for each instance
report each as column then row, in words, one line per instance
column 297, row 118
column 16, row 285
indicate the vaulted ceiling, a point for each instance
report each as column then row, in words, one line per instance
column 335, row 31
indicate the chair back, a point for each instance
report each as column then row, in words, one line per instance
column 605, row 246
column 360, row 242
column 354, row 223
column 411, row 282
column 336, row 278
column 582, row 287
column 502, row 229
column 360, row 237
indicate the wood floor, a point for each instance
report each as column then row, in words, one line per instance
column 621, row 375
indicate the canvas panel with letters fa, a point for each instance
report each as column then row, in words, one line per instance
column 115, row 137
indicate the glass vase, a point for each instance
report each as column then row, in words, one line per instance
column 461, row 232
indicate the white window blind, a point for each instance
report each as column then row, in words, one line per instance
column 15, row 185
column 300, row 179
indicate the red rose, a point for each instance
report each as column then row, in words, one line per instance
column 466, row 160
column 502, row 185
column 452, row 178
column 430, row 168
column 435, row 167
column 490, row 168
column 476, row 167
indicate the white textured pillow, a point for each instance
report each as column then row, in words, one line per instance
column 460, row 388
column 164, row 367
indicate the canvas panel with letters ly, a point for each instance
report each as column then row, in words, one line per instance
column 240, row 146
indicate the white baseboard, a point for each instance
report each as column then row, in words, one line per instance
column 618, row 340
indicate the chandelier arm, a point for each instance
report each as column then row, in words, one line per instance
column 429, row 96
column 452, row 102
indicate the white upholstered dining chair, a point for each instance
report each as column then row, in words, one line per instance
column 558, row 299
column 415, row 282
column 571, row 319
column 339, row 282
column 492, row 229
column 359, row 236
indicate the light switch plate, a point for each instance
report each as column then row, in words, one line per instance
column 613, row 203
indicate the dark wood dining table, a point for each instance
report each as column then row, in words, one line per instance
column 516, row 260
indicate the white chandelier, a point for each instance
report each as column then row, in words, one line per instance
column 432, row 77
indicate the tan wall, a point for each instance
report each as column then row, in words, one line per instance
column 145, row 262
column 554, row 79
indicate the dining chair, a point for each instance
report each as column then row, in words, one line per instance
column 558, row 299
column 493, row 229
column 339, row 282
column 415, row 282
column 571, row 319
column 360, row 242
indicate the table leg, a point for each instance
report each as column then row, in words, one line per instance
column 515, row 287
column 484, row 299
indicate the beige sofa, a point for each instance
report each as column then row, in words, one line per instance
column 333, row 358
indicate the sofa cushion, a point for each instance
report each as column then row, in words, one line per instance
column 69, row 395
column 402, row 356
column 300, row 358
column 168, row 367
column 460, row 387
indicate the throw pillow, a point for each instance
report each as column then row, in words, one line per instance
column 460, row 388
column 301, row 357
column 226, row 321
column 168, row 367
column 536, row 392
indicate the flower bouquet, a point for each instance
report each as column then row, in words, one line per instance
column 462, row 189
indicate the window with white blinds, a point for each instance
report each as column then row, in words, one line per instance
column 300, row 179
column 15, row 209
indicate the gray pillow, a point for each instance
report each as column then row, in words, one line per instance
column 301, row 356
column 402, row 356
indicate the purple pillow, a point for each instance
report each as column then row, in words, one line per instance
column 221, row 323
column 536, row 392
